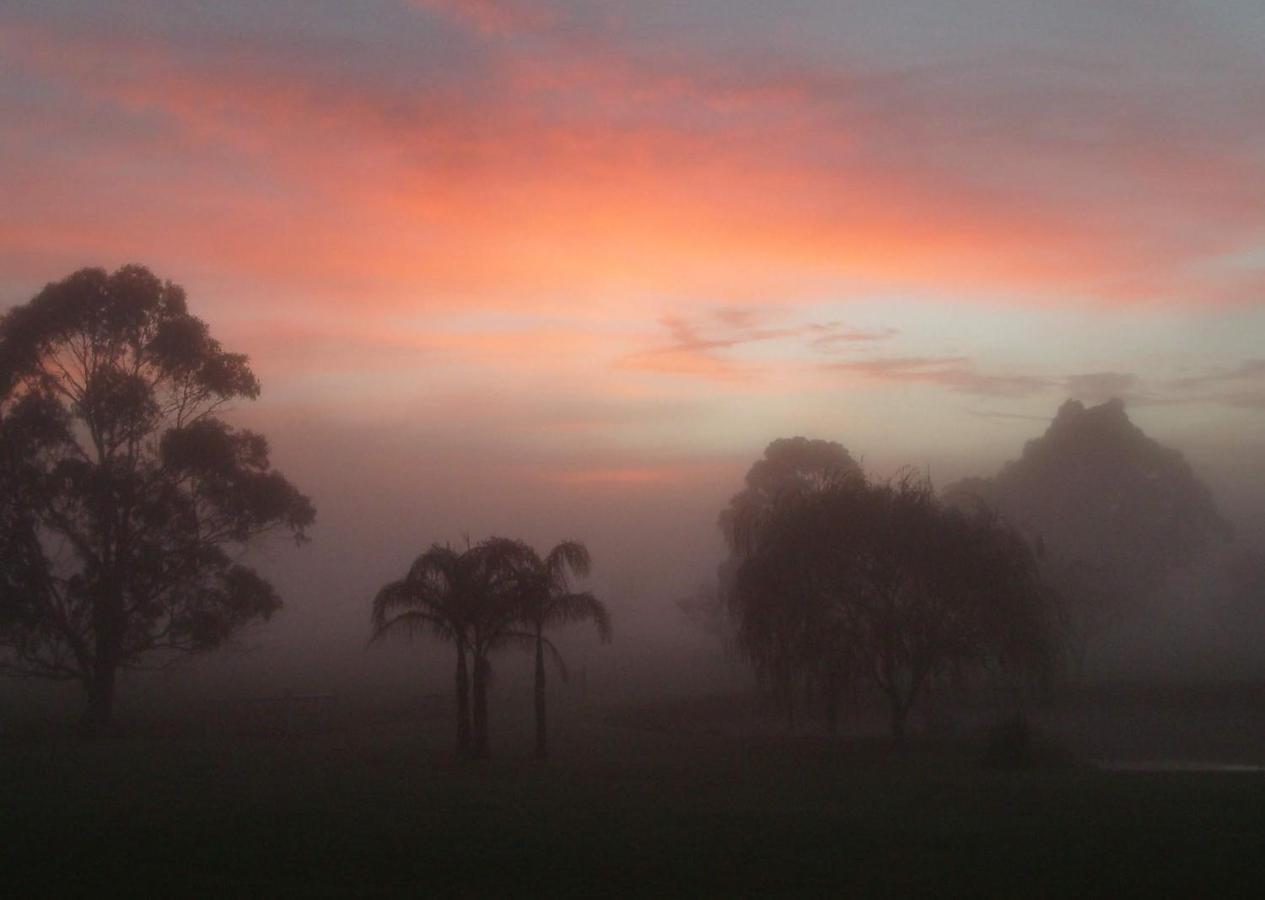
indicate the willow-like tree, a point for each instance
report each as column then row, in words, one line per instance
column 884, row 584
column 546, row 599
column 125, row 501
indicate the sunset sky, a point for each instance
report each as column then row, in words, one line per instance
column 612, row 248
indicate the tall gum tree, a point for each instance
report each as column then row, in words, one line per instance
column 1116, row 514
column 125, row 500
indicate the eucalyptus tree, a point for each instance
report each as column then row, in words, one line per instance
column 1117, row 514
column 125, row 499
column 545, row 598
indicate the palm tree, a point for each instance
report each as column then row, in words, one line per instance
column 479, row 599
column 492, row 616
column 438, row 596
column 544, row 595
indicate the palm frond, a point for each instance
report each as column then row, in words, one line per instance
column 568, row 556
column 581, row 607
column 411, row 622
column 392, row 596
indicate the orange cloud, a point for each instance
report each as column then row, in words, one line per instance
column 535, row 192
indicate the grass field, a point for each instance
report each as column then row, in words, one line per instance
column 630, row 805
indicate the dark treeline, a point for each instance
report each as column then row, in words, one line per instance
column 126, row 502
column 835, row 581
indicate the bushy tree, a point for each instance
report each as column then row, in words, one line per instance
column 126, row 501
column 788, row 465
column 881, row 583
column 1115, row 513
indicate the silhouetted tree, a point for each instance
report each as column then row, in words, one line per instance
column 795, row 464
column 1115, row 512
column 783, row 600
column 850, row 580
column 438, row 596
column 126, row 500
column 473, row 598
column 787, row 466
column 495, row 618
column 545, row 598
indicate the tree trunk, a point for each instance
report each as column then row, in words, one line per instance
column 480, row 749
column 464, row 748
column 108, row 627
column 99, row 709
column 542, row 748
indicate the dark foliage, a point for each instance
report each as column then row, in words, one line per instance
column 851, row 581
column 1113, row 511
column 124, row 500
column 493, row 594
column 544, row 597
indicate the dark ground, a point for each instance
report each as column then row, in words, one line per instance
column 681, row 798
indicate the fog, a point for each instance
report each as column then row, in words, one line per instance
column 737, row 448
column 383, row 496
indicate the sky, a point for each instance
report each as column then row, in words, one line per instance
column 564, row 269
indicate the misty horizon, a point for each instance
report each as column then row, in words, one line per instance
column 666, row 448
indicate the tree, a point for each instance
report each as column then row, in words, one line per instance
column 790, row 470
column 437, row 596
column 789, row 464
column 1115, row 512
column 495, row 619
column 545, row 599
column 880, row 582
column 126, row 499
column 472, row 598
column 946, row 591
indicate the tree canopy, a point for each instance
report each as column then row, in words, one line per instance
column 788, row 464
column 496, row 593
column 126, row 499
column 854, row 581
column 1114, row 511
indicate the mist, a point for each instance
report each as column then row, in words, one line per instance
column 492, row 447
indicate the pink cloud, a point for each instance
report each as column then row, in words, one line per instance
column 682, row 182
